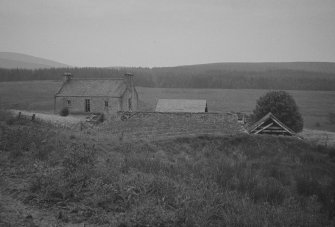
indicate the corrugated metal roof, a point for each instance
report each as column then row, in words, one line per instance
column 93, row 87
column 181, row 105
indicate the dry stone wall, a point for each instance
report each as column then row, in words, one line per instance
column 154, row 125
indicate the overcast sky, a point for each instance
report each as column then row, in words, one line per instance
column 169, row 32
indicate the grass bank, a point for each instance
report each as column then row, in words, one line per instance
column 204, row 181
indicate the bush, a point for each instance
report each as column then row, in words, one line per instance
column 330, row 150
column 308, row 186
column 20, row 141
column 7, row 117
column 331, row 118
column 68, row 182
column 282, row 105
column 64, row 112
column 269, row 190
column 10, row 121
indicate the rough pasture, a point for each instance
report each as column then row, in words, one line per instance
column 314, row 105
column 56, row 177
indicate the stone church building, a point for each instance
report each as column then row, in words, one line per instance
column 107, row 96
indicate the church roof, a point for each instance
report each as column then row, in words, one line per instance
column 181, row 105
column 93, row 87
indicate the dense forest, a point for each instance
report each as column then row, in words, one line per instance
column 224, row 75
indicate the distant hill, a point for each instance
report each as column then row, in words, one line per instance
column 322, row 67
column 9, row 60
column 265, row 75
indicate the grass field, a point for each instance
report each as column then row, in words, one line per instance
column 58, row 177
column 314, row 105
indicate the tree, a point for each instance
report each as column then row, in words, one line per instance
column 64, row 112
column 331, row 118
column 282, row 105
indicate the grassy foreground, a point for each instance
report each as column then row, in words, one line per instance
column 205, row 181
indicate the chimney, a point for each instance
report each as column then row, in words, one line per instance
column 67, row 77
column 129, row 80
column 128, row 77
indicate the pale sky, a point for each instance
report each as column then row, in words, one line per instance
column 169, row 32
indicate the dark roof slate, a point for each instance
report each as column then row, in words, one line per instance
column 93, row 87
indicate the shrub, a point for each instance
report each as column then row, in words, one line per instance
column 70, row 181
column 7, row 117
column 278, row 174
column 21, row 141
column 78, row 159
column 106, row 196
column 163, row 189
column 283, row 106
column 10, row 121
column 4, row 115
column 269, row 190
column 331, row 118
column 308, row 186
column 331, row 152
column 64, row 112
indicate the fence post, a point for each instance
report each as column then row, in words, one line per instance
column 19, row 116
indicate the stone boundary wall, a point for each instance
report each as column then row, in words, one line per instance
column 158, row 125
column 209, row 116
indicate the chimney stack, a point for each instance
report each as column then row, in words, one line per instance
column 132, row 100
column 129, row 80
column 67, row 77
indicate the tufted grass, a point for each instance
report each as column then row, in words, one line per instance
column 204, row 181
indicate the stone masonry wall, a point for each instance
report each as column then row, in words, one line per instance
column 154, row 125
column 97, row 104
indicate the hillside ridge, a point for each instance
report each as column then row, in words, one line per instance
column 324, row 67
column 10, row 60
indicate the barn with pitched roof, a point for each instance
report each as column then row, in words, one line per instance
column 106, row 96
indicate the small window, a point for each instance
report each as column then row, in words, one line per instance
column 106, row 103
column 69, row 102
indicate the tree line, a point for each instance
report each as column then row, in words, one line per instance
column 176, row 77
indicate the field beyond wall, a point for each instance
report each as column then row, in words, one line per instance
column 314, row 105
